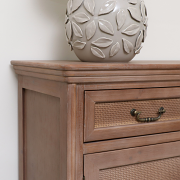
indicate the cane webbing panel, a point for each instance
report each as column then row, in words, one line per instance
column 166, row 169
column 118, row 113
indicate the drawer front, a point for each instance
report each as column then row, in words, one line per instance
column 107, row 113
column 159, row 169
column 156, row 162
column 117, row 113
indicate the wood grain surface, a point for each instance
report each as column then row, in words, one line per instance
column 42, row 136
column 78, row 65
column 57, row 138
column 93, row 163
column 83, row 72
column 95, row 73
column 110, row 96
column 124, row 143
column 21, row 129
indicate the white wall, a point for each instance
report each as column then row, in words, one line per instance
column 34, row 30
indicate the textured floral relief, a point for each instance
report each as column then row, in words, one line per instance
column 76, row 4
column 143, row 10
column 69, row 7
column 107, row 7
column 89, row 6
column 133, row 1
column 106, row 26
column 97, row 52
column 81, row 18
column 77, row 30
column 115, row 49
column 78, row 21
column 121, row 18
column 90, row 30
column 135, row 14
column 128, row 46
column 69, row 31
column 102, row 42
column 138, row 50
column 139, row 40
column 79, row 45
column 146, row 21
column 71, row 47
column 131, row 30
column 144, row 34
column 66, row 19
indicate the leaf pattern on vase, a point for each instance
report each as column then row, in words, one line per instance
column 106, row 26
column 146, row 21
column 144, row 34
column 79, row 12
column 102, row 42
column 134, row 14
column 71, row 47
column 69, row 7
column 128, row 46
column 139, row 40
column 77, row 30
column 133, row 2
column 81, row 17
column 115, row 49
column 131, row 30
column 69, row 30
column 138, row 50
column 79, row 45
column 89, row 6
column 107, row 7
column 66, row 19
column 76, row 4
column 143, row 11
column 90, row 30
column 121, row 18
column 97, row 52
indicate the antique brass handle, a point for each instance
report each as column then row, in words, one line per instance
column 137, row 114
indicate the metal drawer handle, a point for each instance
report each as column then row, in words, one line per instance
column 137, row 114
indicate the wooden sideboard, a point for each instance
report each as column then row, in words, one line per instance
column 75, row 121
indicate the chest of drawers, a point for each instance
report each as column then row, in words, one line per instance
column 76, row 120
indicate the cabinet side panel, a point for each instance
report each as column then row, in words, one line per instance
column 20, row 128
column 41, row 136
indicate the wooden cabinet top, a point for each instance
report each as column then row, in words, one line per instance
column 78, row 65
column 84, row 72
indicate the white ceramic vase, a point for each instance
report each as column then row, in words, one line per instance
column 106, row 30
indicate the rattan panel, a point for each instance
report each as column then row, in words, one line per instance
column 166, row 169
column 118, row 113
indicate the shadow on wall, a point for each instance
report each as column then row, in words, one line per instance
column 54, row 10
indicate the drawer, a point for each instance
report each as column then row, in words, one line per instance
column 107, row 112
column 155, row 162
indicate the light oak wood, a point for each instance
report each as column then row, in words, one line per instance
column 21, row 129
column 97, row 73
column 124, row 143
column 92, row 97
column 78, row 65
column 94, row 162
column 43, row 86
column 131, row 85
column 66, row 156
column 112, row 79
column 73, row 88
column 42, row 136
column 79, row 72
column 71, row 131
column 65, row 169
column 79, row 132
